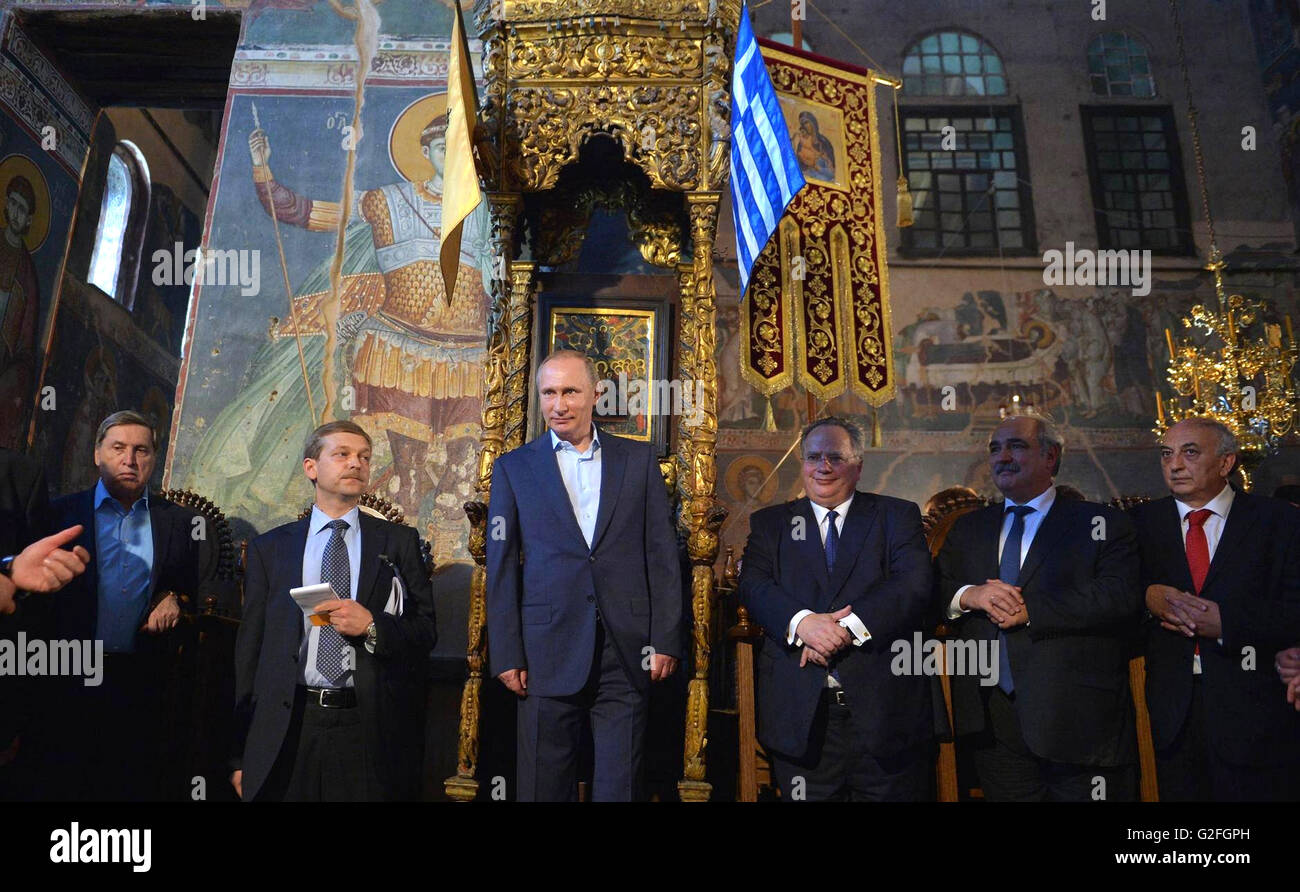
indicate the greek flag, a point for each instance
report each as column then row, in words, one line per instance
column 764, row 171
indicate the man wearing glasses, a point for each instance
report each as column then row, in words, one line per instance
column 835, row 578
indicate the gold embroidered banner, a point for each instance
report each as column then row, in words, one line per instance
column 817, row 311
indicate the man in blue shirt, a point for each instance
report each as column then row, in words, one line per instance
column 149, row 560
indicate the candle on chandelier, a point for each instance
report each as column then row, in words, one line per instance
column 1289, row 336
column 1232, row 329
column 1160, row 409
column 1169, row 339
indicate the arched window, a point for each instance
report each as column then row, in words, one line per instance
column 1119, row 66
column 953, row 63
column 115, row 261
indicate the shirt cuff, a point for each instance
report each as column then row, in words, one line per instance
column 855, row 626
column 954, row 607
column 794, row 624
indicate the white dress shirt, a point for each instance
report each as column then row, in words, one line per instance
column 580, row 472
column 1041, row 503
column 318, row 536
column 1213, row 526
column 851, row 622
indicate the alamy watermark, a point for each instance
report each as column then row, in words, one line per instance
column 921, row 656
column 23, row 656
column 215, row 266
column 1105, row 269
column 640, row 396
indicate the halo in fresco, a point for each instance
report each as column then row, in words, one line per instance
column 404, row 138
column 20, row 165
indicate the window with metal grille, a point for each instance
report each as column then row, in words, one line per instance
column 1118, row 65
column 969, row 184
column 1139, row 197
column 953, row 63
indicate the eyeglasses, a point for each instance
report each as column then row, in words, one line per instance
column 836, row 460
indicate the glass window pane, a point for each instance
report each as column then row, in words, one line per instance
column 948, row 41
column 106, row 259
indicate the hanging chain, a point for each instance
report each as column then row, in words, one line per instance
column 1196, row 131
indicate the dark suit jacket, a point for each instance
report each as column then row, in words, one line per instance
column 181, row 564
column 544, row 584
column 389, row 682
column 24, row 504
column 883, row 569
column 1070, row 663
column 1255, row 580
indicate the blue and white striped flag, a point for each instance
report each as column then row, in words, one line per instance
column 765, row 174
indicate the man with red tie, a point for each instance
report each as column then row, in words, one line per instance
column 1220, row 572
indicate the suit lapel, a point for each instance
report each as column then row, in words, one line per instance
column 550, row 485
column 1242, row 517
column 862, row 516
column 288, row 574
column 809, row 548
column 374, row 542
column 613, row 460
column 1055, row 525
column 1169, row 534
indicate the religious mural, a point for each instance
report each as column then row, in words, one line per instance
column 38, row 188
column 343, row 325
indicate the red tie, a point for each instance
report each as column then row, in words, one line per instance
column 1198, row 551
column 1198, row 548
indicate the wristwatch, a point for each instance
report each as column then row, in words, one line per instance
column 7, row 565
column 372, row 636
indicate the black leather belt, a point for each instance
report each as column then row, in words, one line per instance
column 331, row 698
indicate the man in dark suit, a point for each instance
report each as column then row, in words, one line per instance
column 26, row 566
column 332, row 710
column 150, row 559
column 836, row 578
column 1050, row 585
column 584, row 594
column 1219, row 569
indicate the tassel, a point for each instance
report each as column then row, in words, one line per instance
column 876, row 437
column 904, row 204
column 769, row 419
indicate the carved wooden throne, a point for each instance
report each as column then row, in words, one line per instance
column 570, row 85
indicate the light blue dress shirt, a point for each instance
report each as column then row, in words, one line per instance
column 318, row 536
column 580, row 472
column 124, row 552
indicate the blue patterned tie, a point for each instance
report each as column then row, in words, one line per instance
column 1009, row 572
column 335, row 569
column 832, row 540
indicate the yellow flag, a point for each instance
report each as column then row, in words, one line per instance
column 460, row 189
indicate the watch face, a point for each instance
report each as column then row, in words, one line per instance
column 7, row 565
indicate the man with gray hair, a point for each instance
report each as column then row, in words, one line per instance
column 835, row 579
column 150, row 560
column 1219, row 573
column 1050, row 584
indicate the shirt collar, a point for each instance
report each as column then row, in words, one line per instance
column 841, row 510
column 557, row 444
column 1219, row 504
column 1040, row 503
column 319, row 518
column 102, row 495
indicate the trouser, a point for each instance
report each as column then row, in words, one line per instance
column 550, row 733
column 1009, row 772
column 836, row 769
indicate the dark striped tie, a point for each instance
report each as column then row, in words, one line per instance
column 335, row 569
